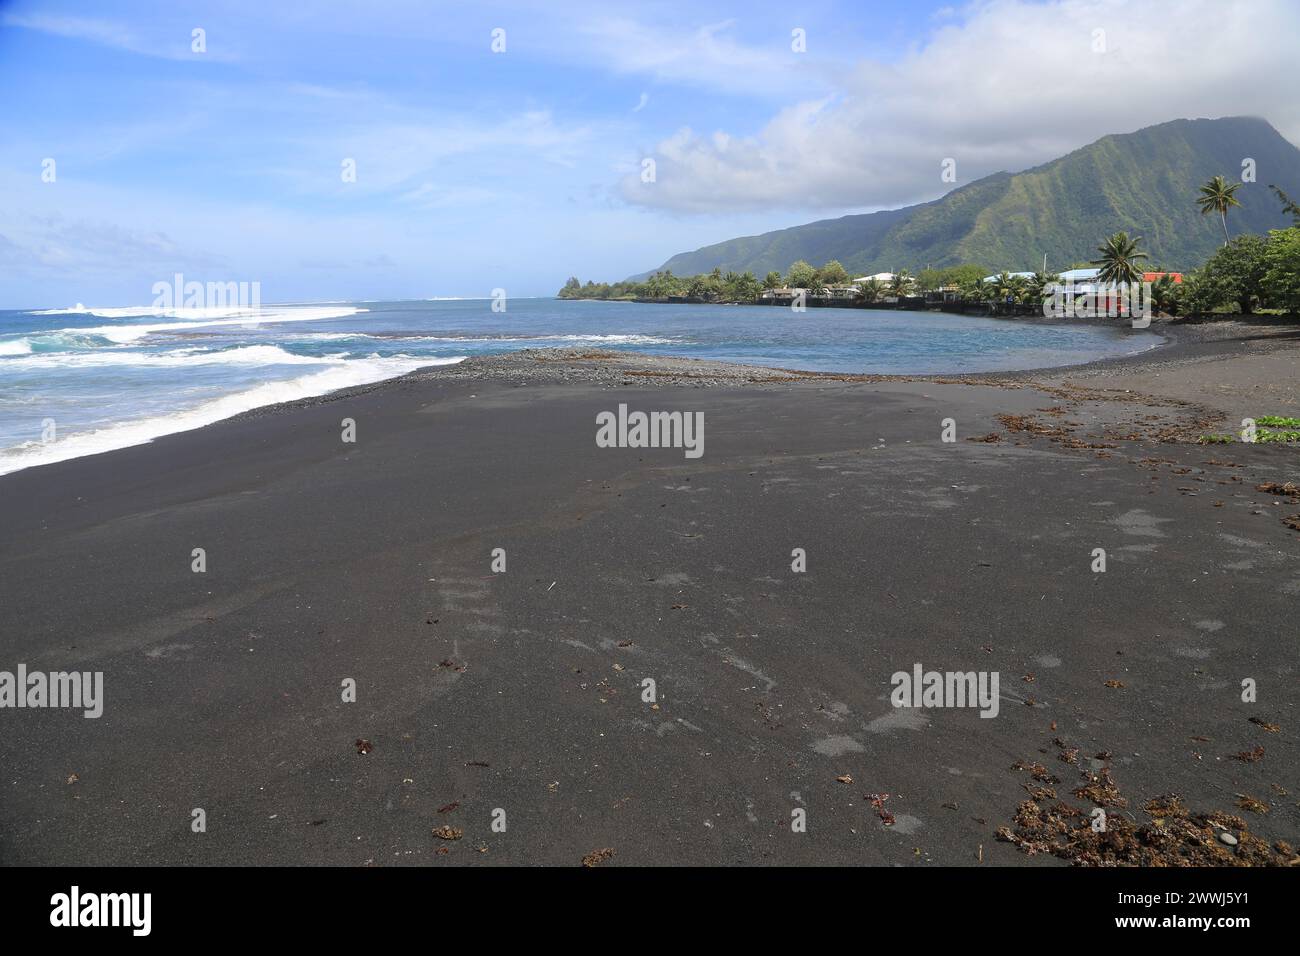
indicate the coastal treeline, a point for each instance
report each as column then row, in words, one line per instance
column 828, row 280
column 1246, row 274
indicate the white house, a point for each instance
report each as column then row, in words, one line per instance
column 1083, row 280
column 1022, row 275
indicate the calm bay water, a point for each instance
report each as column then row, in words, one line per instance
column 105, row 378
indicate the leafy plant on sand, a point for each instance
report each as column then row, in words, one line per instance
column 1271, row 429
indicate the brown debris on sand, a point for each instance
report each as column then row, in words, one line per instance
column 1018, row 424
column 1173, row 836
column 1290, row 489
column 1100, row 789
column 1254, row 755
column 1246, row 802
column 597, row 857
column 1037, row 771
column 877, row 801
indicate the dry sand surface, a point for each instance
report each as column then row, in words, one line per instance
column 524, row 691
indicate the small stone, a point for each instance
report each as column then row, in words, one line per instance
column 1227, row 838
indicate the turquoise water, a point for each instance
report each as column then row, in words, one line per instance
column 79, row 381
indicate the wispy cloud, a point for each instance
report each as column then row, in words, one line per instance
column 53, row 245
column 1003, row 84
column 402, row 152
column 709, row 56
column 109, row 33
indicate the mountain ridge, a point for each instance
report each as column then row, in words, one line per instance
column 1144, row 182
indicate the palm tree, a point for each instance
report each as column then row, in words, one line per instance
column 1002, row 290
column 730, row 286
column 1165, row 294
column 1218, row 196
column 1019, row 289
column 1037, row 286
column 975, row 290
column 1119, row 259
column 660, row 284
column 870, row 291
column 748, row 287
column 901, row 284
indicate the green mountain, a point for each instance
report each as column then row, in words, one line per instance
column 1144, row 182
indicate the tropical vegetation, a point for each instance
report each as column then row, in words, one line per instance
column 1119, row 259
column 716, row 286
column 1248, row 273
column 1219, row 196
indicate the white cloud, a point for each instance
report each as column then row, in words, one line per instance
column 175, row 46
column 708, row 56
column 1002, row 84
column 52, row 245
column 404, row 151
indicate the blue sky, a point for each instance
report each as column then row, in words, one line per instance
column 477, row 170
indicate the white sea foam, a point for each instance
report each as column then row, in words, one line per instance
column 174, row 358
column 195, row 319
column 125, row 434
column 535, row 339
column 201, row 312
column 16, row 347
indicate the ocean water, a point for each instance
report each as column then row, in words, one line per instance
column 78, row 381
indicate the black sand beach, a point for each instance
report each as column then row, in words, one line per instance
column 522, row 691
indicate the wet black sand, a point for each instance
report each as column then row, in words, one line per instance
column 522, row 691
